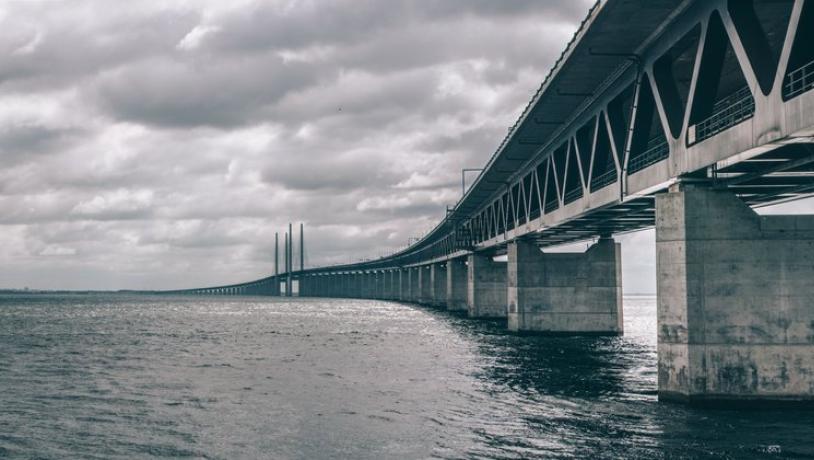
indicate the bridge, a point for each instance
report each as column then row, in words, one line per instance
column 678, row 115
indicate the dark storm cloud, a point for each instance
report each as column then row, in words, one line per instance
column 332, row 172
column 168, row 142
column 335, row 23
column 25, row 139
column 45, row 45
column 171, row 94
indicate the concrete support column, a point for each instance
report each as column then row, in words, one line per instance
column 372, row 280
column 351, row 288
column 388, row 285
column 350, row 285
column 339, row 285
column 367, row 285
column 385, row 284
column 395, row 277
column 323, row 285
column 486, row 287
column 313, row 286
column 328, row 285
column 412, row 279
column 361, row 285
column 438, row 285
column 735, row 300
column 380, row 284
column 344, row 285
column 456, row 284
column 565, row 293
column 331, row 285
column 375, row 285
column 404, row 284
column 369, row 289
column 424, row 286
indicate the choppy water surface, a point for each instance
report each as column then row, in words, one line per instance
column 128, row 377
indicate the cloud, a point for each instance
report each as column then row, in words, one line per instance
column 54, row 250
column 193, row 39
column 118, row 204
column 23, row 140
column 169, row 93
column 159, row 145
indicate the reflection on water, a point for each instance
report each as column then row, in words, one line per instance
column 125, row 377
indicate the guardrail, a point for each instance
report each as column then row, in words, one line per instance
column 603, row 180
column 657, row 150
column 726, row 113
column 573, row 195
column 799, row 81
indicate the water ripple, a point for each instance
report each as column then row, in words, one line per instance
column 134, row 376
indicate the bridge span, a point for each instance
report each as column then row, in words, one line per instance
column 678, row 115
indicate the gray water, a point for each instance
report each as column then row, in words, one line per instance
column 85, row 376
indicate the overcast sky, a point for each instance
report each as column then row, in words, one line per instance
column 162, row 144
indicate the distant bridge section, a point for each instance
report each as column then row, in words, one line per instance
column 678, row 115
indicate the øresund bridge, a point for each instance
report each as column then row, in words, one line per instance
column 678, row 115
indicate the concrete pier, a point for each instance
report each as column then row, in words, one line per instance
column 735, row 300
column 424, row 285
column 326, row 285
column 456, row 284
column 369, row 285
column 341, row 285
column 335, row 285
column 438, row 285
column 320, row 286
column 565, row 293
column 352, row 285
column 415, row 285
column 304, row 285
column 387, row 292
column 378, row 284
column 395, row 279
column 381, row 283
column 486, row 287
column 404, row 284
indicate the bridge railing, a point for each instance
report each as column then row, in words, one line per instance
column 799, row 81
column 657, row 150
column 551, row 205
column 603, row 180
column 573, row 195
column 727, row 112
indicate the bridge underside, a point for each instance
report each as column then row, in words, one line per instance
column 780, row 175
